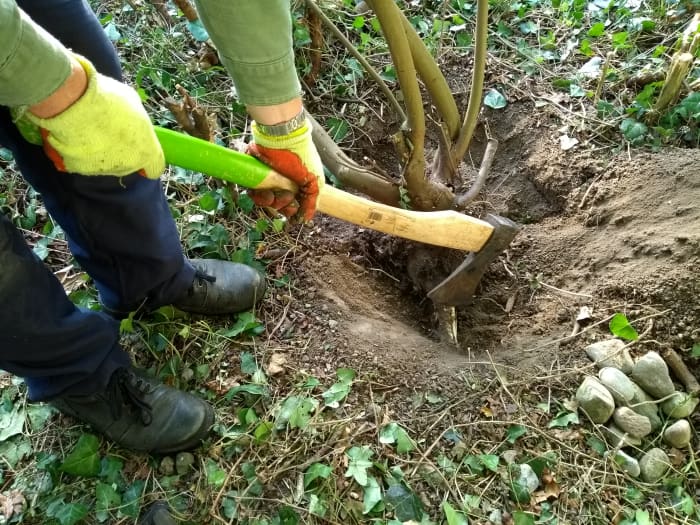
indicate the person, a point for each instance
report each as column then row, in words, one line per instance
column 83, row 140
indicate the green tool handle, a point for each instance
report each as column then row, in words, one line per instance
column 211, row 159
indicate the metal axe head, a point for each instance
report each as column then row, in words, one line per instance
column 458, row 289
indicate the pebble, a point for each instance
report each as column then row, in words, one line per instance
column 527, row 478
column 595, row 400
column 636, row 425
column 611, row 353
column 642, row 403
column 184, row 462
column 618, row 438
column 654, row 465
column 628, row 463
column 680, row 405
column 679, row 434
column 620, row 386
column 167, row 466
column 651, row 373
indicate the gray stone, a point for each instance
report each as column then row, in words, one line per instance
column 527, row 478
column 654, row 465
column 621, row 387
column 627, row 463
column 642, row 403
column 679, row 405
column 651, row 373
column 167, row 466
column 636, row 425
column 679, row 434
column 184, row 462
column 617, row 437
column 595, row 400
column 611, row 352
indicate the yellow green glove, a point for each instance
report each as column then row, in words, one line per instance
column 105, row 132
column 295, row 157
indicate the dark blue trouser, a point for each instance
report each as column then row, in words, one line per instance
column 119, row 229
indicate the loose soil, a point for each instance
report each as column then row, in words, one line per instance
column 610, row 231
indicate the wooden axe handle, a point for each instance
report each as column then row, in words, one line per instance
column 442, row 228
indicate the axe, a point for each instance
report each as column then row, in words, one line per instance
column 446, row 228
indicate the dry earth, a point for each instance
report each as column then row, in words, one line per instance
column 611, row 231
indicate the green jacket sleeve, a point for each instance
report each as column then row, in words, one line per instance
column 33, row 64
column 254, row 40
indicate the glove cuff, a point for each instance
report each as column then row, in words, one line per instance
column 91, row 73
column 294, row 141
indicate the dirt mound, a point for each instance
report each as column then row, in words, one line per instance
column 614, row 232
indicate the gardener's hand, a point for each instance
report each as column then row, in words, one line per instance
column 294, row 156
column 93, row 125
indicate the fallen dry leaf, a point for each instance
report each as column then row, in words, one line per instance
column 276, row 366
column 486, row 411
column 11, row 503
column 551, row 490
column 567, row 435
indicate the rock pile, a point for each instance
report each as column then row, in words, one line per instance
column 633, row 400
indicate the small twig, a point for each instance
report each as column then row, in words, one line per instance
column 678, row 367
column 358, row 56
column 549, row 286
column 601, row 80
column 590, row 187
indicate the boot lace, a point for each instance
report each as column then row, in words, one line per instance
column 127, row 390
column 201, row 278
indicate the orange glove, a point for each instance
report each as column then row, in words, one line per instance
column 295, row 157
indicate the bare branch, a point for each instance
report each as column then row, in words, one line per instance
column 362, row 60
column 434, row 80
column 477, row 88
column 463, row 201
column 351, row 174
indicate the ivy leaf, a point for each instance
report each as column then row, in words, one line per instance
column 596, row 29
column 216, row 476
column 394, row 433
column 84, row 459
column 372, row 495
column 106, row 499
column 633, row 130
column 359, row 463
column 563, row 420
column 131, row 501
column 514, row 432
column 246, row 322
column 452, row 516
column 523, row 518
column 338, row 391
column 286, row 516
column 316, row 471
column 11, row 422
column 317, row 506
column 621, row 327
column 494, row 99
column 67, row 513
column 490, row 461
column 406, row 504
column 263, row 431
column 197, row 29
column 695, row 352
column 111, row 469
column 642, row 517
column 248, row 364
column 38, row 415
column 337, row 128
column 301, row 415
